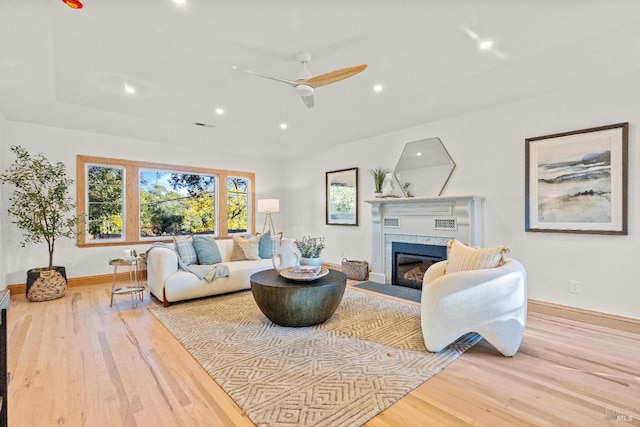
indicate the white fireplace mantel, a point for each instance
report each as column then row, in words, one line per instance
column 425, row 220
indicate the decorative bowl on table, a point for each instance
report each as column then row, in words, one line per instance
column 304, row 273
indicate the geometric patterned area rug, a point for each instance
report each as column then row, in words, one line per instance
column 343, row 372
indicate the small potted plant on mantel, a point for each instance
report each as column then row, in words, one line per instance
column 379, row 175
column 310, row 248
column 41, row 207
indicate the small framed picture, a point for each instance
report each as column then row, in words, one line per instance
column 576, row 182
column 342, row 197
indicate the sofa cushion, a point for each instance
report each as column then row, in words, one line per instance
column 265, row 246
column 245, row 249
column 206, row 250
column 184, row 246
column 463, row 257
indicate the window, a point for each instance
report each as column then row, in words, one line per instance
column 104, row 202
column 131, row 202
column 176, row 203
column 237, row 202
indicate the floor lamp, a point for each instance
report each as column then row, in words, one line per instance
column 269, row 206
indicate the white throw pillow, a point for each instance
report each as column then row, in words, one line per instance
column 245, row 249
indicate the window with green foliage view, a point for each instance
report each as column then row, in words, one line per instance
column 237, row 203
column 176, row 203
column 127, row 201
column 105, row 202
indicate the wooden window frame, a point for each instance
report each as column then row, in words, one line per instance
column 132, row 197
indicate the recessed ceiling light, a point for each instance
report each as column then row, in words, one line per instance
column 180, row 2
column 219, row 111
column 378, row 88
column 130, row 90
column 283, row 126
column 485, row 44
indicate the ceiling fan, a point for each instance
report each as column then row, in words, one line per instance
column 305, row 83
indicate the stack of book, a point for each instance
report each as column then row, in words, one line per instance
column 303, row 272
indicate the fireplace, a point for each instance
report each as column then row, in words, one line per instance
column 411, row 260
column 422, row 221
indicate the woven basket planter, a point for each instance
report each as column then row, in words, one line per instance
column 45, row 285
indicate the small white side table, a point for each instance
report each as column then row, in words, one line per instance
column 134, row 288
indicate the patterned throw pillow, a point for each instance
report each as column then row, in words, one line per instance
column 184, row 246
column 206, row 250
column 245, row 249
column 464, row 258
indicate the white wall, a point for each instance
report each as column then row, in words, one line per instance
column 63, row 145
column 3, row 215
column 488, row 148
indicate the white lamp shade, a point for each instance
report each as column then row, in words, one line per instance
column 268, row 205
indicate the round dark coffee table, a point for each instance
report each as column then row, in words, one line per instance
column 291, row 303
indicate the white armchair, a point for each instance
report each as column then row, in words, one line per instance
column 490, row 301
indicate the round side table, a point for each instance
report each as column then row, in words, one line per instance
column 134, row 288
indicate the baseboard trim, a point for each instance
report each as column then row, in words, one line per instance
column 597, row 318
column 21, row 288
column 332, row 266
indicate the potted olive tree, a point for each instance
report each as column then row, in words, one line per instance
column 42, row 209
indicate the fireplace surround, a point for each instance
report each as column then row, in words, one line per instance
column 423, row 221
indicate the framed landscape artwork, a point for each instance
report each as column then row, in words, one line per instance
column 576, row 182
column 342, row 197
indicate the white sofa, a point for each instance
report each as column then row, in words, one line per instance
column 170, row 284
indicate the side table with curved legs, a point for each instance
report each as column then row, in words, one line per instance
column 135, row 288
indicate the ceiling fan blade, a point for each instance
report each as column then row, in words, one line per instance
column 267, row 76
column 333, row 76
column 308, row 101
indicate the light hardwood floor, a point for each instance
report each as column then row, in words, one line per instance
column 77, row 362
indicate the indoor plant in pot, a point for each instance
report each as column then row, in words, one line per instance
column 378, row 179
column 310, row 248
column 42, row 209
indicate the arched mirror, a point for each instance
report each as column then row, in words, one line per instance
column 424, row 168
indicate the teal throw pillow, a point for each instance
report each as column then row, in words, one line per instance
column 265, row 250
column 265, row 246
column 206, row 250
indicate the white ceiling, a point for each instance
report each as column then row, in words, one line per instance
column 67, row 68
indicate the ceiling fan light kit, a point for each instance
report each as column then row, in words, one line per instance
column 304, row 90
column 306, row 83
